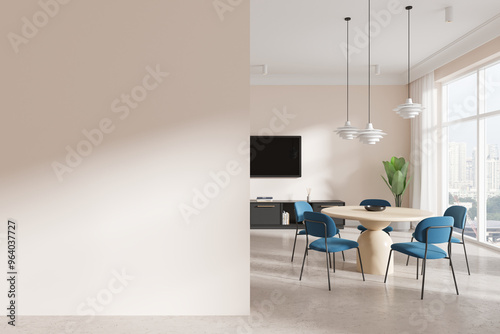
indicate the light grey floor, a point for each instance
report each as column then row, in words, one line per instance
column 283, row 304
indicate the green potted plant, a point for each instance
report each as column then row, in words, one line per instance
column 397, row 181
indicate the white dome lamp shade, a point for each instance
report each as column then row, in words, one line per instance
column 409, row 109
column 347, row 131
column 370, row 135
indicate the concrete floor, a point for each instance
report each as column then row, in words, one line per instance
column 283, row 304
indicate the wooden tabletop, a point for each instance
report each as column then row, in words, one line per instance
column 390, row 214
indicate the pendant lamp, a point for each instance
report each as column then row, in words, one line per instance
column 409, row 109
column 370, row 135
column 347, row 131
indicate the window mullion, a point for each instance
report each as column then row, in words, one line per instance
column 443, row 150
column 481, row 181
column 481, row 158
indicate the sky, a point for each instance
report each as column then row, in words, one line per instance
column 462, row 103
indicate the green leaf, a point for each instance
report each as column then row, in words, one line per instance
column 406, row 185
column 390, row 188
column 393, row 160
column 399, row 163
column 389, row 170
column 398, row 183
column 404, row 170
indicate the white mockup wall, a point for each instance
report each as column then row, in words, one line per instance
column 334, row 168
column 152, row 217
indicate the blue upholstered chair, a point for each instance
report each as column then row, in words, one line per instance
column 379, row 202
column 459, row 214
column 300, row 208
column 322, row 226
column 430, row 231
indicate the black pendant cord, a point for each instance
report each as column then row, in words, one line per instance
column 369, row 60
column 408, row 8
column 347, row 19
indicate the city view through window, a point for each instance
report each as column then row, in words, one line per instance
column 472, row 124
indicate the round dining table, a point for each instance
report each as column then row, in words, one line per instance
column 375, row 244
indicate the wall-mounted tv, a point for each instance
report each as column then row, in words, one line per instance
column 275, row 156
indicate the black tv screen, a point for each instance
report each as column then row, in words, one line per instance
column 275, row 156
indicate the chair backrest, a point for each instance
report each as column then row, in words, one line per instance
column 379, row 202
column 434, row 235
column 459, row 213
column 316, row 222
column 300, row 208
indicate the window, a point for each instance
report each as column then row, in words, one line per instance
column 471, row 124
column 492, row 181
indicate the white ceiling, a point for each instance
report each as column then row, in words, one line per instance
column 300, row 40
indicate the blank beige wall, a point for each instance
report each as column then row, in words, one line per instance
column 332, row 167
column 111, row 227
column 479, row 56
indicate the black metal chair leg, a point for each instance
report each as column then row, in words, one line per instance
column 307, row 243
column 417, row 267
column 328, row 270
column 449, row 252
column 423, row 278
column 388, row 262
column 466, row 260
column 333, row 262
column 361, row 264
column 303, row 261
column 294, row 242
column 454, row 279
column 343, row 257
column 408, row 259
